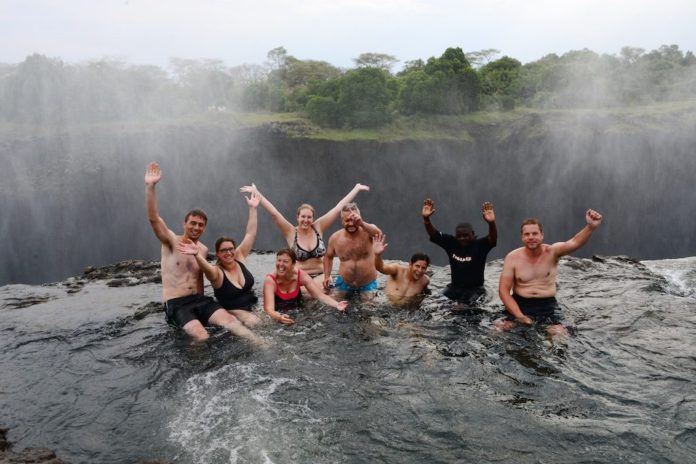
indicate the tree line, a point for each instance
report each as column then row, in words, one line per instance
column 47, row 90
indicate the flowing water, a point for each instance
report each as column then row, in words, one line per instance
column 94, row 372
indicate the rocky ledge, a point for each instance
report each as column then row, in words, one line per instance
column 33, row 455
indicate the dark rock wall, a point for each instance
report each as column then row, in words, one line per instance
column 69, row 201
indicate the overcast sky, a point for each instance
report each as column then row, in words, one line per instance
column 237, row 32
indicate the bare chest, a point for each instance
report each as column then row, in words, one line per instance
column 354, row 248
column 535, row 269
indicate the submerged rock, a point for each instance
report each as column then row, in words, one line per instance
column 29, row 455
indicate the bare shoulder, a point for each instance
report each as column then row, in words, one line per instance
column 401, row 271
column 172, row 240
column 554, row 248
column 336, row 235
column 514, row 254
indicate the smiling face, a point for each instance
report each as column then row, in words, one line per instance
column 194, row 227
column 285, row 265
column 305, row 218
column 348, row 221
column 532, row 236
column 418, row 268
column 225, row 252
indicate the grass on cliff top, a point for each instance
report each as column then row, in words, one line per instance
column 462, row 128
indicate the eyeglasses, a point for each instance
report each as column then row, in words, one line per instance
column 225, row 251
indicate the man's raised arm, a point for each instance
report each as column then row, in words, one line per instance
column 489, row 217
column 428, row 210
column 378, row 246
column 153, row 174
column 324, row 222
column 593, row 219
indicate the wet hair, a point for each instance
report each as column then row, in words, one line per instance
column 196, row 212
column 306, row 206
column 222, row 240
column 532, row 221
column 348, row 207
column 420, row 257
column 289, row 252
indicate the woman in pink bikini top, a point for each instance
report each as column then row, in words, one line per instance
column 281, row 288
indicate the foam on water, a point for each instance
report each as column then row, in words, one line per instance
column 680, row 274
column 227, row 414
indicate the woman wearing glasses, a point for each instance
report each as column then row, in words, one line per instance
column 231, row 280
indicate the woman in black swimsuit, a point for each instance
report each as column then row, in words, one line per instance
column 231, row 280
column 305, row 239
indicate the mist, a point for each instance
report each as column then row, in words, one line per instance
column 75, row 140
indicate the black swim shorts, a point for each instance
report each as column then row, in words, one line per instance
column 469, row 296
column 181, row 311
column 544, row 311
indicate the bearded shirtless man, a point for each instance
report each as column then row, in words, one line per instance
column 353, row 246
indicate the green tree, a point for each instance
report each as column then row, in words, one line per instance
column 205, row 82
column 376, row 60
column 324, row 111
column 364, row 97
column 482, row 57
column 264, row 96
column 446, row 85
column 499, row 81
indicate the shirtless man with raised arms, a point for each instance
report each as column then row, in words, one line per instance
column 182, row 279
column 527, row 284
column 353, row 246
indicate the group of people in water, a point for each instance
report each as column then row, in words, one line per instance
column 527, row 284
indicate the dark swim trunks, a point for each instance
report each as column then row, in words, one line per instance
column 181, row 311
column 544, row 311
column 342, row 286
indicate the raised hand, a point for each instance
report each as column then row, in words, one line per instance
column 593, row 218
column 255, row 198
column 488, row 213
column 428, row 208
column 249, row 189
column 355, row 217
column 187, row 247
column 153, row 174
column 362, row 187
column 378, row 245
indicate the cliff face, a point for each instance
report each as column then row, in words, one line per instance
column 73, row 199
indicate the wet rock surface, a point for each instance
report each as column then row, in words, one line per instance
column 29, row 455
